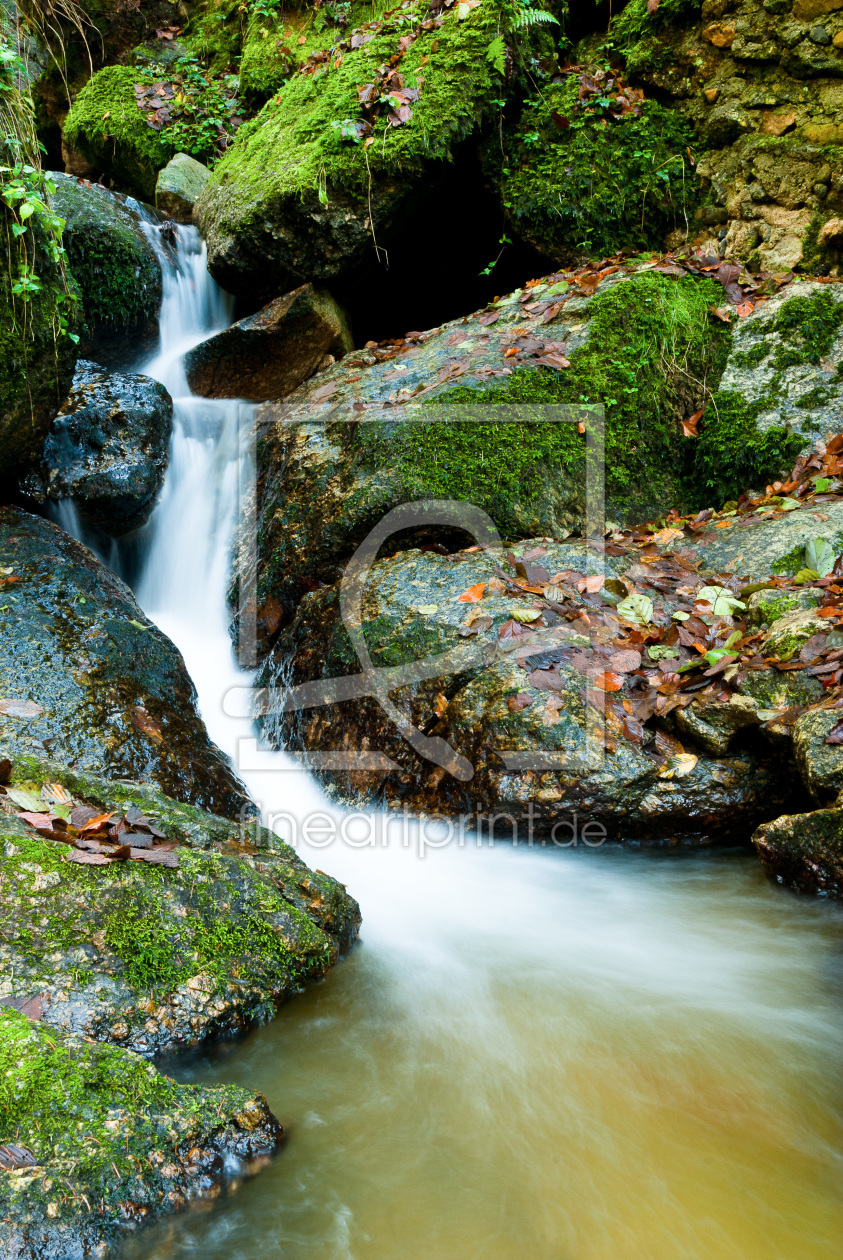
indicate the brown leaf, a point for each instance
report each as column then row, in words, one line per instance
column 13, row 1156
column 689, row 426
column 473, row 594
column 547, row 680
column 21, row 708
column 835, row 735
column 83, row 858
column 157, row 857
column 625, row 662
column 97, row 823
column 519, row 701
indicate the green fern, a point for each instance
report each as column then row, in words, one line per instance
column 525, row 17
column 496, row 53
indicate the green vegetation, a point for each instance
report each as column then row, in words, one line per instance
column 638, row 35
column 593, row 181
column 809, row 326
column 732, row 455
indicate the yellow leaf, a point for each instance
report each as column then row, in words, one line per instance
column 678, row 767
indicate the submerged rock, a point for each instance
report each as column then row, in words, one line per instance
column 85, row 674
column 270, row 353
column 107, row 449
column 104, row 1142
column 179, row 185
column 151, row 958
column 115, row 266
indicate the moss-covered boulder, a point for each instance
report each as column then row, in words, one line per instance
column 820, row 763
column 104, row 1141
column 153, row 958
column 645, row 346
column 107, row 126
column 179, row 185
column 114, row 265
column 301, row 196
column 107, row 449
column 480, row 706
column 84, row 672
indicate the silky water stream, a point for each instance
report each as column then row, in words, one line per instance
column 551, row 1054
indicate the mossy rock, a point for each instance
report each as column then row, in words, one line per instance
column 114, row 265
column 294, row 200
column 779, row 392
column 158, row 959
column 642, row 347
column 106, row 689
column 820, row 763
column 529, row 756
column 110, row 1140
column 765, row 607
column 106, row 125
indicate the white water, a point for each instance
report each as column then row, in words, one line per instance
column 544, row 1054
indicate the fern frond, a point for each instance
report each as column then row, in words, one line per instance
column 531, row 17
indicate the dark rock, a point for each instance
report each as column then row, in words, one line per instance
column 107, row 449
column 108, row 690
column 726, row 124
column 820, row 764
column 713, row 214
column 819, row 35
column 269, row 354
column 804, row 851
column 115, row 266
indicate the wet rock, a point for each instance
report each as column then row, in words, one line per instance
column 107, row 449
column 179, row 185
column 765, row 607
column 820, row 764
column 157, row 959
column 714, row 725
column 269, row 354
column 115, row 266
column 110, row 1142
column 804, row 851
column 531, row 755
column 105, row 688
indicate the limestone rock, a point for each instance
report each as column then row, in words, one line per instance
column 765, row 607
column 790, row 632
column 269, row 354
column 107, row 449
column 179, row 186
column 106, row 689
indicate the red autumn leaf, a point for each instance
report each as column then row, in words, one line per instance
column 473, row 594
column 828, row 612
column 97, row 823
column 689, row 426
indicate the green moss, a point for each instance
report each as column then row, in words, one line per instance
column 732, row 455
column 814, row 398
column 809, row 327
column 640, row 35
column 789, row 564
column 652, row 348
column 816, row 258
column 114, row 265
column 293, row 150
column 753, row 357
column 600, row 184
column 107, row 126
column 215, row 33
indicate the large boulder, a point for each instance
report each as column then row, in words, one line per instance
column 85, row 674
column 270, row 353
column 94, row 1137
column 108, row 128
column 804, row 851
column 107, row 449
column 115, row 265
column 324, row 482
column 156, row 958
column 300, row 196
column 496, row 701
column 179, row 185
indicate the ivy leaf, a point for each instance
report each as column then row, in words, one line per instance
column 819, row 556
column 637, row 608
column 722, row 601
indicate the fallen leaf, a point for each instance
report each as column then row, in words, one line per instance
column 519, row 701
column 83, row 858
column 21, row 708
column 624, row 662
column 679, row 766
column 526, row 615
column 473, row 594
column 13, row 1156
column 94, row 824
column 608, row 681
column 835, row 735
column 440, row 704
column 25, row 800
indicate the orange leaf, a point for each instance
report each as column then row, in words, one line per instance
column 829, row 612
column 745, row 308
column 592, row 584
column 473, row 594
column 608, row 681
column 95, row 824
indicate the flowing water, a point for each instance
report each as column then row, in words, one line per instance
column 543, row 1053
